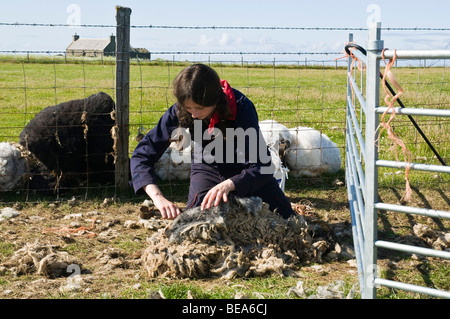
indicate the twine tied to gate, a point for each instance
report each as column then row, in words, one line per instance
column 390, row 99
column 360, row 66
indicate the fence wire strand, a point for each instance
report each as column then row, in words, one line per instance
column 213, row 27
column 293, row 100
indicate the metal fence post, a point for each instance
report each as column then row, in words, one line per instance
column 349, row 63
column 122, row 96
column 374, row 47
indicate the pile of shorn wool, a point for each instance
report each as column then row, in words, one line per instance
column 241, row 238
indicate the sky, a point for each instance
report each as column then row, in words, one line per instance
column 242, row 13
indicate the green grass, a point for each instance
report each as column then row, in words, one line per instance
column 269, row 287
column 295, row 96
column 428, row 273
column 290, row 94
column 6, row 249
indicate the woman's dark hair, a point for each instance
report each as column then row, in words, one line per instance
column 200, row 83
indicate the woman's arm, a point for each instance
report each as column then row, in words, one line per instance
column 146, row 154
column 150, row 150
column 167, row 209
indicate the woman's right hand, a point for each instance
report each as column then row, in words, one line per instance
column 167, row 209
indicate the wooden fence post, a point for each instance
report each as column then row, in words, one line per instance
column 122, row 96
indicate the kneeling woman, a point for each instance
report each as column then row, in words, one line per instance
column 221, row 166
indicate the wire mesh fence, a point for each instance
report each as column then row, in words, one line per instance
column 296, row 89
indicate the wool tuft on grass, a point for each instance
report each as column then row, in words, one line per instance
column 40, row 259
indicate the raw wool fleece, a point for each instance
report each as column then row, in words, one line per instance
column 41, row 259
column 241, row 238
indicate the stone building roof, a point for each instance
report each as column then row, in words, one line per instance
column 89, row 44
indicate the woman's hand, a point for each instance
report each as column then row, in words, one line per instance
column 217, row 193
column 167, row 209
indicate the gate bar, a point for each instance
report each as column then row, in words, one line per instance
column 353, row 121
column 415, row 166
column 358, row 94
column 417, row 54
column 412, row 111
column 409, row 287
column 413, row 249
column 414, row 210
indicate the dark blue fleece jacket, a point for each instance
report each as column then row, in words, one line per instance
column 246, row 174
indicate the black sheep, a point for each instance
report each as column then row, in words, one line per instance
column 73, row 139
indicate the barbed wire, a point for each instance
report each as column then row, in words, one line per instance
column 190, row 52
column 245, row 53
column 222, row 27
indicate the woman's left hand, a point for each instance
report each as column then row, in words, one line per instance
column 217, row 193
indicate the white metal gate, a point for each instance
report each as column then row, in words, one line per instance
column 362, row 165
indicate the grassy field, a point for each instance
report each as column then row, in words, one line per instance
column 312, row 97
column 295, row 96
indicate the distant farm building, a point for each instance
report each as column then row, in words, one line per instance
column 101, row 48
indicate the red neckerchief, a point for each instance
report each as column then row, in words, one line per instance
column 231, row 105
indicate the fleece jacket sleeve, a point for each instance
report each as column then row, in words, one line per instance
column 258, row 168
column 150, row 149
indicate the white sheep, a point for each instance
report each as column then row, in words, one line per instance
column 174, row 164
column 274, row 132
column 308, row 152
column 13, row 167
column 311, row 153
